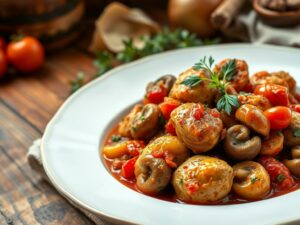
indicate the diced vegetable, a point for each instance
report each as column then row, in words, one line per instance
column 170, row 128
column 156, row 94
column 279, row 173
column 119, row 149
column 128, row 168
column 168, row 106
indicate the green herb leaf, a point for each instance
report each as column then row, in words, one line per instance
column 115, row 138
column 192, row 81
column 78, row 82
column 228, row 71
column 103, row 62
column 280, row 177
column 226, row 102
column 253, row 179
column 162, row 120
column 296, row 133
column 204, row 65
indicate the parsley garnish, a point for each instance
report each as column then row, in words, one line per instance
column 216, row 80
column 115, row 138
column 280, row 177
column 296, row 133
column 162, row 41
column 78, row 82
column 253, row 179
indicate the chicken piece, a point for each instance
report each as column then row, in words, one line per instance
column 200, row 93
column 259, row 101
column 202, row 179
column 280, row 78
column 198, row 127
column 241, row 76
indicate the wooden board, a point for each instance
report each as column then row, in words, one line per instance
column 27, row 103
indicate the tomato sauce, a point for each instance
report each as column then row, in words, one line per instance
column 168, row 194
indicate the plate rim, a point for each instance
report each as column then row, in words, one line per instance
column 75, row 201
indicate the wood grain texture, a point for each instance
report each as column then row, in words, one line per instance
column 27, row 103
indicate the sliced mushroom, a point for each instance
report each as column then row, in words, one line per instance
column 254, row 118
column 273, row 144
column 145, row 123
column 154, row 174
column 239, row 145
column 124, row 126
column 167, row 80
column 251, row 180
column 294, row 164
column 292, row 133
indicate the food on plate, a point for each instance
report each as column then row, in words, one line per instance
column 153, row 168
column 251, row 180
column 254, row 118
column 239, row 145
column 202, row 179
column 197, row 126
column 214, row 135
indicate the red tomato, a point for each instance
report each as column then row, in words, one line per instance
column 280, row 117
column 295, row 107
column 127, row 170
column 2, row 44
column 198, row 112
column 135, row 147
column 279, row 174
column 26, row 55
column 156, row 94
column 170, row 128
column 3, row 64
column 276, row 94
column 248, row 88
column 168, row 106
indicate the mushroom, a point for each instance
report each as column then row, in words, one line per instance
column 251, row 180
column 145, row 123
column 238, row 144
column 294, row 164
column 154, row 174
column 292, row 132
column 167, row 80
column 124, row 126
column 254, row 118
column 153, row 167
column 202, row 179
column 259, row 101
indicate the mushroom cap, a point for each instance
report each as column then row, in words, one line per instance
column 254, row 118
column 238, row 144
column 251, row 180
column 291, row 133
column 202, row 179
column 145, row 123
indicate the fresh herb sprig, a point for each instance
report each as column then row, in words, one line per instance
column 216, row 80
column 159, row 42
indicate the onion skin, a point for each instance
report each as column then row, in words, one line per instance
column 193, row 15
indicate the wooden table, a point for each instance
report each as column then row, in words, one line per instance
column 27, row 103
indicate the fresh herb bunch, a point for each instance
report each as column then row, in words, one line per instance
column 159, row 42
column 77, row 83
column 216, row 80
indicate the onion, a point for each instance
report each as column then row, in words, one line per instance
column 193, row 15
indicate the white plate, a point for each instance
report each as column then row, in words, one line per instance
column 72, row 139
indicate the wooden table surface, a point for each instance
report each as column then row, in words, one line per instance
column 27, row 103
